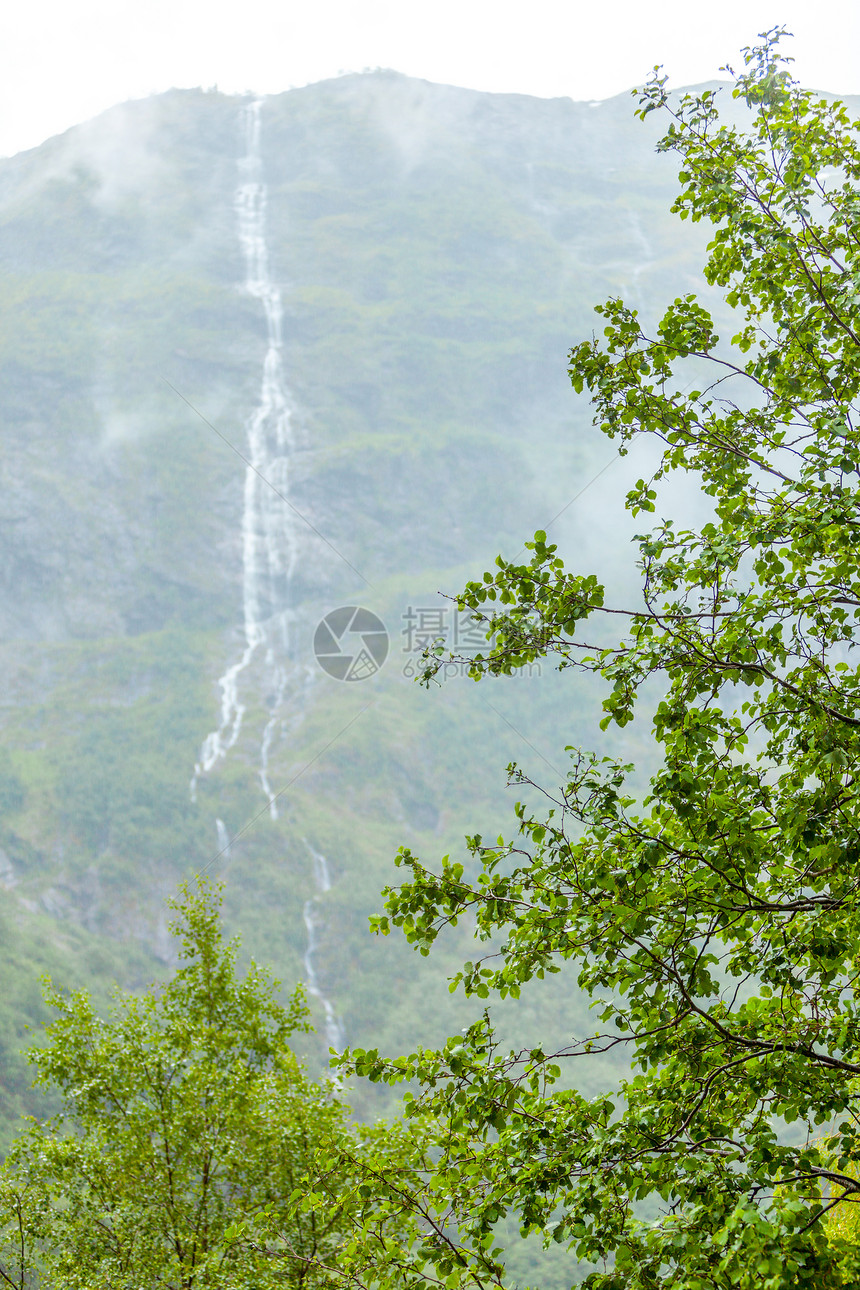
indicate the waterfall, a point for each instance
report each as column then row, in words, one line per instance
column 322, row 881
column 223, row 839
column 270, row 548
column 269, row 539
column 646, row 254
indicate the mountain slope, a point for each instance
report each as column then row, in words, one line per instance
column 391, row 321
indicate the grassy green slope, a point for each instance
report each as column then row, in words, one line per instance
column 438, row 252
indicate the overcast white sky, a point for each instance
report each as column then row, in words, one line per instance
column 62, row 61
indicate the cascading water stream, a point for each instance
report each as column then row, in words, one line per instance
column 322, row 881
column 269, row 538
column 223, row 839
column 270, row 547
column 646, row 255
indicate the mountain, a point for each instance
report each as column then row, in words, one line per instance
column 261, row 361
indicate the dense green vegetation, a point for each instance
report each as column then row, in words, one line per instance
column 187, row 1135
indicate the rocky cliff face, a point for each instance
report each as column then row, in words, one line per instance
column 434, row 253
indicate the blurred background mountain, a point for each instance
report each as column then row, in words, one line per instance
column 436, row 252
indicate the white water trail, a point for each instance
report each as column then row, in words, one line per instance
column 322, row 881
column 645, row 258
column 223, row 839
column 270, row 550
column 268, row 736
column 269, row 538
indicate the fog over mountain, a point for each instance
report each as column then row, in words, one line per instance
column 262, row 360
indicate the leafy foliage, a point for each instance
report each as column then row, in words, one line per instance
column 716, row 922
column 188, row 1138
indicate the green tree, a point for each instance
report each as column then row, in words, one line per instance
column 189, row 1137
column 715, row 920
